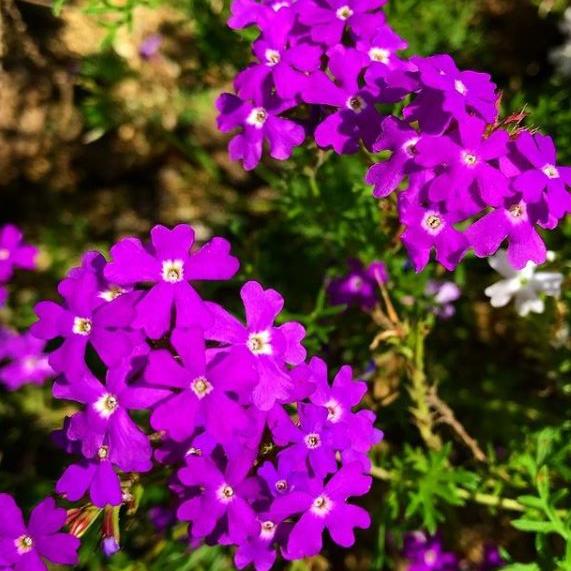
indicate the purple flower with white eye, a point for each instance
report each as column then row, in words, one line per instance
column 24, row 547
column 201, row 388
column 259, row 550
column 456, row 92
column 259, row 121
column 427, row 554
column 219, row 506
column 28, row 362
column 443, row 294
column 327, row 20
column 401, row 139
column 284, row 478
column 105, row 421
column 340, row 398
column 169, row 265
column 381, row 50
column 515, row 221
column 356, row 117
column 359, row 286
column 542, row 182
column 314, row 442
column 259, row 346
column 325, row 506
column 428, row 228
column 94, row 262
column 283, row 65
column 464, row 160
column 84, row 318
column 14, row 252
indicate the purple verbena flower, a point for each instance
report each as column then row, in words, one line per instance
column 259, row 121
column 14, row 253
column 356, row 117
column 542, row 182
column 360, row 286
column 428, row 228
column 219, row 506
column 327, row 20
column 427, row 554
column 443, row 294
column 27, row 361
column 202, row 387
column 169, row 265
column 25, row 547
column 325, row 506
column 259, row 345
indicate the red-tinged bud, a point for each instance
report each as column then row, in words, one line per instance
column 79, row 520
column 110, row 531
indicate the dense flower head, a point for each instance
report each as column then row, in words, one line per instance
column 324, row 67
column 263, row 450
column 29, row 546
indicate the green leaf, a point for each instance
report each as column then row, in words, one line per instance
column 534, row 526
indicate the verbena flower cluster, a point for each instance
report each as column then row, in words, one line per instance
column 467, row 179
column 14, row 254
column 426, row 553
column 265, row 452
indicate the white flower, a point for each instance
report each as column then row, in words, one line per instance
column 524, row 286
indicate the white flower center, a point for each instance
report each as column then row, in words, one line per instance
column 469, row 159
column 344, row 13
column 225, row 493
column 192, row 451
column 460, row 87
column 517, row 213
column 281, row 486
column 24, row 544
column 173, row 271
column 409, row 147
column 106, row 405
column 81, row 325
column 267, row 529
column 201, row 387
column 321, row 506
column 4, row 254
column 257, row 117
column 430, row 557
column 30, row 363
column 381, row 55
column 260, row 343
column 356, row 104
column 103, row 453
column 433, row 223
column 312, row 441
column 112, row 293
column 334, row 410
column 550, row 171
column 273, row 57
column 356, row 283
column 277, row 6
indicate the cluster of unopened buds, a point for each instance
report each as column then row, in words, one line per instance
column 264, row 450
column 467, row 179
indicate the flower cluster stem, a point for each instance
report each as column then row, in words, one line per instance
column 419, row 392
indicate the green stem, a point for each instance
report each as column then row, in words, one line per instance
column 418, row 391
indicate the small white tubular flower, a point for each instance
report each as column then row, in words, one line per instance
column 526, row 287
